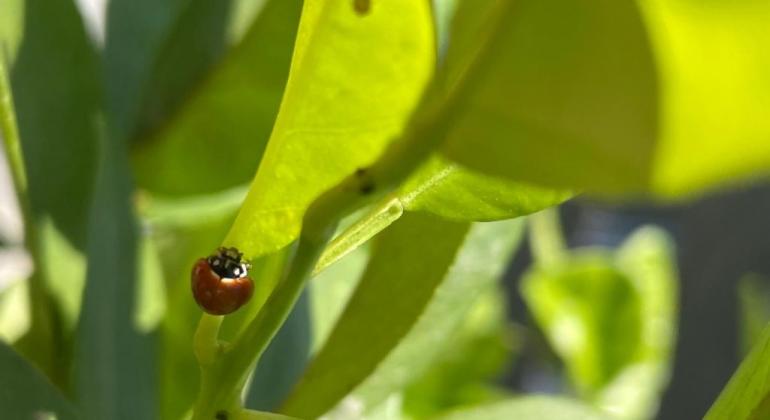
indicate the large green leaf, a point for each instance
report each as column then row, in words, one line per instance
column 26, row 394
column 54, row 77
column 416, row 290
column 613, row 97
column 115, row 361
column 354, row 79
column 466, row 369
column 530, row 407
column 215, row 135
column 747, row 395
column 475, row 271
column 408, row 264
column 611, row 318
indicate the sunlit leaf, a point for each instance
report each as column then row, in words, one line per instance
column 449, row 191
column 477, row 267
column 465, row 369
column 392, row 294
column 354, row 79
column 616, row 98
column 416, row 293
column 455, row 193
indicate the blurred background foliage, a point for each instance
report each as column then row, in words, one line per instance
column 143, row 124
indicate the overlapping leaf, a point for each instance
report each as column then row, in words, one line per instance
column 616, row 98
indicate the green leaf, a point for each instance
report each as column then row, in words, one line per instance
column 456, row 193
column 582, row 307
column 54, row 78
column 226, row 118
column 477, row 267
column 469, row 362
column 14, row 298
column 611, row 318
column 754, row 305
column 197, row 36
column 397, row 284
column 56, row 94
column 354, row 79
column 415, row 297
column 331, row 289
column 648, row 256
column 26, row 393
column 747, row 394
column 115, row 362
column 451, row 192
column 530, row 407
column 615, row 98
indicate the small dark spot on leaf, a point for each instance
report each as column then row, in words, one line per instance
column 367, row 188
column 360, row 172
column 221, row 415
column 362, row 6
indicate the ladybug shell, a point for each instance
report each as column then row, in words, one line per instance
column 217, row 295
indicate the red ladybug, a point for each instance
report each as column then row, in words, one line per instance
column 221, row 282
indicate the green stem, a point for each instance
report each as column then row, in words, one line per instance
column 546, row 237
column 375, row 221
column 206, row 344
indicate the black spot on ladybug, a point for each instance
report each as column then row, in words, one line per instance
column 220, row 283
column 221, row 415
column 360, row 172
column 362, row 6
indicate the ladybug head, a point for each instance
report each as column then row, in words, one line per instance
column 227, row 262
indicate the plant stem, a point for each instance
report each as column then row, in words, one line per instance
column 546, row 237
column 206, row 344
column 376, row 220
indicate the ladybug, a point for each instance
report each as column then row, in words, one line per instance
column 221, row 283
